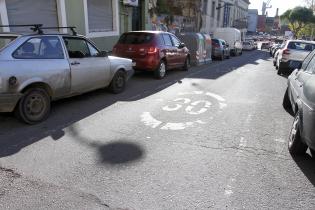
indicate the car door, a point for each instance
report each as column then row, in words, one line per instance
column 170, row 51
column 180, row 57
column 88, row 70
column 299, row 77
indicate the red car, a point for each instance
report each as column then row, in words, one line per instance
column 155, row 51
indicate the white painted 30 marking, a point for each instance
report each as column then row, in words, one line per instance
column 190, row 107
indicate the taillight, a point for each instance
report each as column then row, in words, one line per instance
column 286, row 52
column 152, row 50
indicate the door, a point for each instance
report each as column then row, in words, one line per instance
column 180, row 56
column 170, row 51
column 88, row 70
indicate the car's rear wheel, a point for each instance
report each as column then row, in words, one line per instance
column 160, row 72
column 187, row 64
column 295, row 145
column 118, row 83
column 34, row 106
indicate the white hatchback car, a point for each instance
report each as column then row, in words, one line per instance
column 292, row 55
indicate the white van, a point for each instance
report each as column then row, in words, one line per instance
column 233, row 37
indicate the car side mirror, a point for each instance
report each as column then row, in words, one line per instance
column 103, row 54
column 181, row 45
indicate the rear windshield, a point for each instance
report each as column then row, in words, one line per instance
column 136, row 38
column 301, row 46
column 215, row 41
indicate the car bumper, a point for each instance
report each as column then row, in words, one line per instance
column 149, row 63
column 8, row 102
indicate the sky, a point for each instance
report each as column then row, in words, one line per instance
column 283, row 5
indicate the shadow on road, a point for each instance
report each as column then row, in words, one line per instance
column 14, row 135
column 307, row 165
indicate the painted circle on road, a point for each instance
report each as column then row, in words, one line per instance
column 184, row 103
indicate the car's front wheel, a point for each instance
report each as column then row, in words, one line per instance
column 160, row 72
column 34, row 106
column 295, row 145
column 118, row 82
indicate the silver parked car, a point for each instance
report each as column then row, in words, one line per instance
column 300, row 97
column 292, row 55
column 39, row 68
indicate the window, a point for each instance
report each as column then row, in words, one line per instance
column 176, row 42
column 77, row 48
column 307, row 60
column 101, row 17
column 167, row 40
column 40, row 48
column 311, row 66
column 93, row 51
column 213, row 9
column 300, row 46
column 19, row 12
column 205, row 7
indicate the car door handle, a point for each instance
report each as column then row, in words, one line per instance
column 74, row 63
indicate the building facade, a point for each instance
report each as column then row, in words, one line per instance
column 224, row 13
column 101, row 20
column 252, row 21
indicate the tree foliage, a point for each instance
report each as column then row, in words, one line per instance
column 298, row 18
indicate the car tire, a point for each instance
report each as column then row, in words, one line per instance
column 295, row 144
column 186, row 64
column 160, row 72
column 34, row 106
column 222, row 57
column 286, row 101
column 118, row 83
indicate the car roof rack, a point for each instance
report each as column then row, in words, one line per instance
column 33, row 27
column 72, row 28
column 39, row 28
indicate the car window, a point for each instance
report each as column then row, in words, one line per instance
column 311, row 66
column 77, row 47
column 136, row 38
column 167, row 40
column 48, row 47
column 93, row 51
column 307, row 60
column 176, row 42
column 300, row 46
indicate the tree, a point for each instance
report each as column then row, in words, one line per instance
column 310, row 4
column 298, row 18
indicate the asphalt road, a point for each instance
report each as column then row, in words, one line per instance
column 211, row 138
